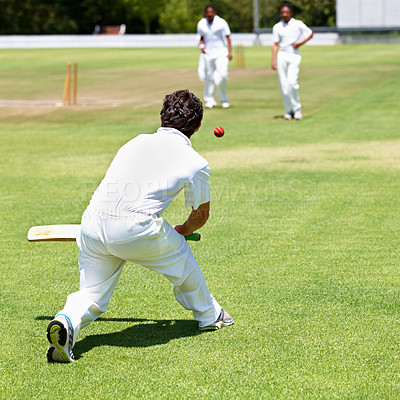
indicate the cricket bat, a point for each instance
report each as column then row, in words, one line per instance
column 69, row 233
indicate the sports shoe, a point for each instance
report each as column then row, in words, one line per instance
column 60, row 336
column 298, row 115
column 210, row 104
column 224, row 319
column 225, row 104
column 288, row 116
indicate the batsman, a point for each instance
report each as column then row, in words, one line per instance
column 123, row 222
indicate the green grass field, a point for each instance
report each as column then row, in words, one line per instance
column 302, row 246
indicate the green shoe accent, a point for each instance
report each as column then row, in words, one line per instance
column 209, row 328
column 63, row 355
column 55, row 328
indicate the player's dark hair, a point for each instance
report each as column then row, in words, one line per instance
column 182, row 110
column 209, row 6
column 286, row 4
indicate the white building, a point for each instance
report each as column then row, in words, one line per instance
column 367, row 13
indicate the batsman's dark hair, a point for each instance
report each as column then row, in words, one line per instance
column 182, row 110
column 209, row 6
column 286, row 4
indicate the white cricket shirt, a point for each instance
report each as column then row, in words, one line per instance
column 148, row 172
column 214, row 35
column 287, row 33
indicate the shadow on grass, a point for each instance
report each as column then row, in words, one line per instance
column 282, row 117
column 143, row 333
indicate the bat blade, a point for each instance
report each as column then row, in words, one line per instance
column 69, row 233
column 58, row 233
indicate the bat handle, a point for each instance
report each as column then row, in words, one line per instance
column 194, row 236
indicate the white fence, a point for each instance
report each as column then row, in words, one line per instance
column 126, row 41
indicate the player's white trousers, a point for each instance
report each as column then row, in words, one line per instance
column 288, row 65
column 215, row 74
column 106, row 243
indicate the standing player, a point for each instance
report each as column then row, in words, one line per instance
column 288, row 35
column 216, row 46
column 123, row 223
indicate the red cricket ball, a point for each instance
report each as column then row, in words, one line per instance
column 219, row 131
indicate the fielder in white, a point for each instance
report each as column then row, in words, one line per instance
column 215, row 44
column 288, row 35
column 123, row 223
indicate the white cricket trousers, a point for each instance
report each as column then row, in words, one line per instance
column 215, row 74
column 106, row 243
column 288, row 65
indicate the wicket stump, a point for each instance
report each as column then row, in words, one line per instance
column 239, row 56
column 67, row 85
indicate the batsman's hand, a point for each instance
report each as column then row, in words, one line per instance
column 196, row 220
column 179, row 229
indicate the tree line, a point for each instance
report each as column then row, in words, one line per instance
column 148, row 16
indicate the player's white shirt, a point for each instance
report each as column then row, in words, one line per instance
column 287, row 33
column 214, row 35
column 148, row 172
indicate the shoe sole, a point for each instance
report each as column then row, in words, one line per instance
column 57, row 336
column 53, row 355
column 217, row 326
column 49, row 354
